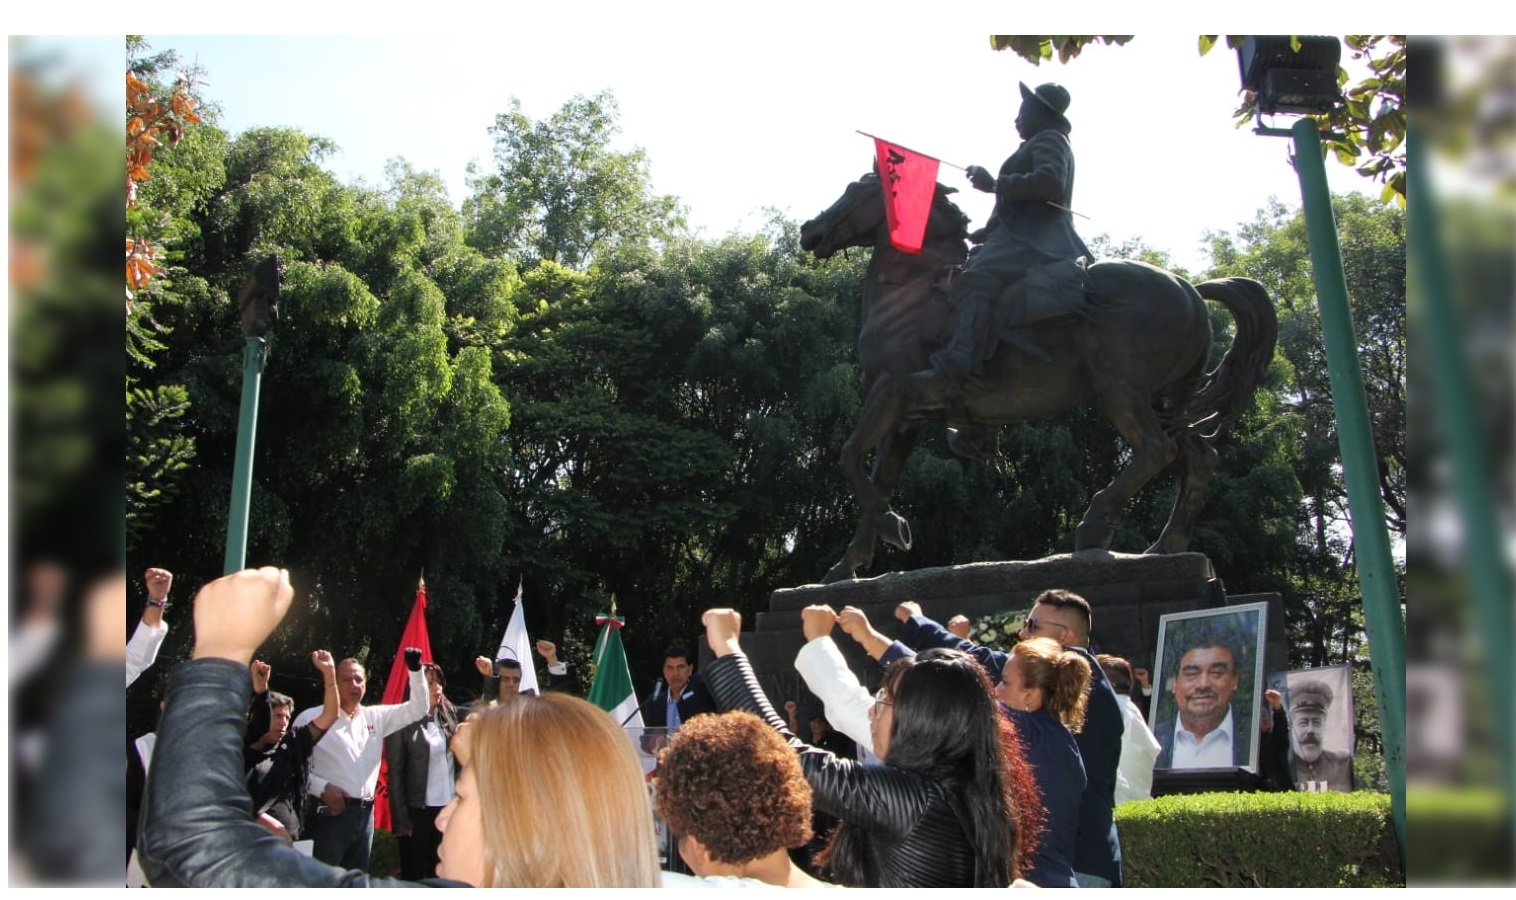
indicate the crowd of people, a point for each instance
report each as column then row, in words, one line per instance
column 969, row 767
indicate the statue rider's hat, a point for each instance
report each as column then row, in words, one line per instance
column 1053, row 97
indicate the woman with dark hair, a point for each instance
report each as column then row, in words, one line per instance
column 939, row 812
column 1044, row 687
column 421, row 776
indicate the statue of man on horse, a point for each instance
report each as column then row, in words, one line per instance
column 1032, row 227
column 1131, row 338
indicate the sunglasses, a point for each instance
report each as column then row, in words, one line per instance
column 1035, row 624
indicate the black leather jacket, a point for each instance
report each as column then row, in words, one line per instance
column 911, row 835
column 197, row 827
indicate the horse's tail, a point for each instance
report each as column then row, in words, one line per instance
column 1230, row 386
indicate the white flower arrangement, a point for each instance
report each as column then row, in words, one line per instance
column 998, row 631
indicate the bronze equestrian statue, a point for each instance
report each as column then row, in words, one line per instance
column 1131, row 337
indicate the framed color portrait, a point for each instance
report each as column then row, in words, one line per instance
column 1207, row 685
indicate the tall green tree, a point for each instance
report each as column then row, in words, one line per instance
column 559, row 193
column 169, row 138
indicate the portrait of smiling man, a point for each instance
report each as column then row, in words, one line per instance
column 1202, row 723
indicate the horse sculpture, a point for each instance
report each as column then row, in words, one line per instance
column 1139, row 349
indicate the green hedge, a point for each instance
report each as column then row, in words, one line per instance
column 1289, row 839
column 384, row 859
column 1458, row 836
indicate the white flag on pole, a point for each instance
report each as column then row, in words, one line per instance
column 516, row 645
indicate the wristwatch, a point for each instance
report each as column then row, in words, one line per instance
column 161, row 604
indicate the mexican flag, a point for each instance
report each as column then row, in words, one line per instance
column 611, row 677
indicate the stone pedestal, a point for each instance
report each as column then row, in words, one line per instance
column 1127, row 594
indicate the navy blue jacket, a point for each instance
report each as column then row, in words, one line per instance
column 1097, row 850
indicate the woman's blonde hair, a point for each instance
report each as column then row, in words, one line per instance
column 1063, row 676
column 563, row 797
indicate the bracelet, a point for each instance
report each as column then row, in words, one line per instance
column 161, row 604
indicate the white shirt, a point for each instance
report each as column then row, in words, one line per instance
column 1214, row 751
column 846, row 701
column 348, row 755
column 439, row 765
column 142, row 649
column 1139, row 749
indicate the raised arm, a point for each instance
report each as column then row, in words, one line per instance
column 923, row 634
column 856, row 625
column 324, row 720
column 826, row 675
column 259, row 716
column 396, row 716
column 147, row 640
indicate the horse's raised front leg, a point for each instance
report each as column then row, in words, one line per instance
column 875, row 430
column 1199, row 462
column 889, row 462
column 1152, row 450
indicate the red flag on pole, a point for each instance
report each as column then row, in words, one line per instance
column 415, row 635
column 910, row 179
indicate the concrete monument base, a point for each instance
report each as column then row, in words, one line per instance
column 1127, row 593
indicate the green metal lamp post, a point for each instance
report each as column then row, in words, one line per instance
column 1299, row 76
column 259, row 300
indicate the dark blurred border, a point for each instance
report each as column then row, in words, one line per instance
column 67, row 437
column 1459, row 760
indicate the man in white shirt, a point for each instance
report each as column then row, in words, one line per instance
column 1205, row 734
column 345, row 764
column 1139, row 746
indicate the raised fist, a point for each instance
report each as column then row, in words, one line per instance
column 158, row 582
column 909, row 608
column 261, row 671
column 413, row 658
column 817, row 621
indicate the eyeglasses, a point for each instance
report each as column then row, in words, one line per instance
column 879, row 702
column 1034, row 624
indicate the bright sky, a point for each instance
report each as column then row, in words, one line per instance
column 740, row 114
column 765, row 115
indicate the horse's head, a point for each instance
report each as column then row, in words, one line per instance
column 855, row 218
column 849, row 222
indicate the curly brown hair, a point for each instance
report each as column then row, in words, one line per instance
column 733, row 784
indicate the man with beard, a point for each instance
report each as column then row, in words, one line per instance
column 1206, row 735
column 1315, row 765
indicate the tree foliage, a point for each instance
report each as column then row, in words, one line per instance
column 560, row 194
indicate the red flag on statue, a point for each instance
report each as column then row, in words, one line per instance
column 415, row 635
column 909, row 180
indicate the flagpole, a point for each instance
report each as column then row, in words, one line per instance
column 917, row 152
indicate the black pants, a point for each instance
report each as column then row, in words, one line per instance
column 343, row 840
column 418, row 853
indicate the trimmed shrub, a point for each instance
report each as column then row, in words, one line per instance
column 1275, row 840
column 1458, row 836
